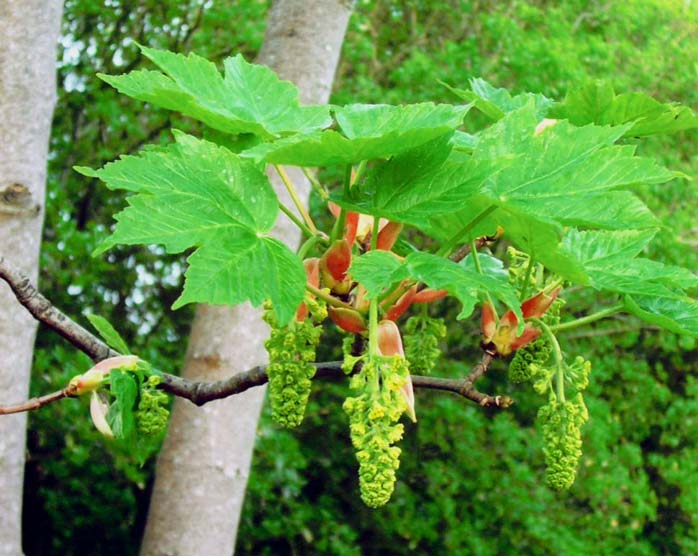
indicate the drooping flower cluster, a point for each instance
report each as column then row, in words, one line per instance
column 527, row 358
column 291, row 351
column 373, row 416
column 384, row 393
column 422, row 337
column 152, row 412
column 561, row 427
column 561, row 419
column 535, row 356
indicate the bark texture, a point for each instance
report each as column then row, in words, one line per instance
column 29, row 32
column 203, row 468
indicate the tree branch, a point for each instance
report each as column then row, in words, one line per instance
column 35, row 403
column 44, row 311
column 199, row 392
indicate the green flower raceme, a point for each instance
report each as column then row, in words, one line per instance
column 152, row 412
column 291, row 351
column 384, row 393
column 561, row 425
column 422, row 337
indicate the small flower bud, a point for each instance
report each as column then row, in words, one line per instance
column 347, row 319
column 92, row 379
column 389, row 339
column 337, row 259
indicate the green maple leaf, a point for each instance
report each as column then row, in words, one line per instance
column 367, row 132
column 496, row 103
column 249, row 99
column 596, row 102
column 379, row 270
column 651, row 290
column 412, row 186
column 109, row 334
column 562, row 176
column 196, row 194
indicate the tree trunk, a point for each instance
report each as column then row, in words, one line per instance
column 29, row 31
column 203, row 468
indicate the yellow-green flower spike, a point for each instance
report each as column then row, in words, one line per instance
column 291, row 351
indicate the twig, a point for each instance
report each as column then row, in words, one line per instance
column 35, row 403
column 199, row 392
column 44, row 311
column 464, row 250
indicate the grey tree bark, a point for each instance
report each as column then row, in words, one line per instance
column 29, row 32
column 203, row 468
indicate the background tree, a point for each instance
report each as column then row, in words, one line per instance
column 203, row 468
column 28, row 37
column 470, row 480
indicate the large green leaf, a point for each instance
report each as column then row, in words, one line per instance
column 678, row 314
column 379, row 270
column 233, row 268
column 597, row 103
column 561, row 161
column 496, row 103
column 367, row 132
column 611, row 210
column 196, row 194
column 249, row 99
column 540, row 237
column 187, row 192
column 604, row 249
column 562, row 176
column 652, row 291
column 420, row 183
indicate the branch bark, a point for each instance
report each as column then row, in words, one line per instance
column 201, row 392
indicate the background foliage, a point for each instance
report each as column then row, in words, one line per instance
column 471, row 480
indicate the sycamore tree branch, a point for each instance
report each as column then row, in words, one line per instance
column 35, row 403
column 44, row 311
column 199, row 392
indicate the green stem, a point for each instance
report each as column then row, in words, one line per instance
column 447, row 247
column 311, row 242
column 317, row 186
column 557, row 353
column 373, row 307
column 287, row 211
column 294, row 196
column 603, row 313
column 360, row 170
column 329, row 299
column 476, row 258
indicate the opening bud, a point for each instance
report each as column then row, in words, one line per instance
column 402, row 304
column 348, row 320
column 93, row 379
column 428, row 295
column 388, row 236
